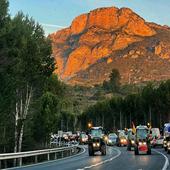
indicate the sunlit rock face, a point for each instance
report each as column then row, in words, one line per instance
column 105, row 37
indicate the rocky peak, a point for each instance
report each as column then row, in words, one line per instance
column 112, row 19
column 100, row 35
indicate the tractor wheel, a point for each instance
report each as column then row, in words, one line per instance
column 91, row 152
column 103, row 150
column 136, row 151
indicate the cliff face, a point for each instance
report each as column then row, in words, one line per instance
column 109, row 38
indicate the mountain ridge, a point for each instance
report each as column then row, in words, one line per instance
column 110, row 35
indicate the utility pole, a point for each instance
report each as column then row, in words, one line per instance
column 130, row 119
column 150, row 115
column 120, row 119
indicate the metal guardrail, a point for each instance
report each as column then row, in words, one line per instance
column 19, row 155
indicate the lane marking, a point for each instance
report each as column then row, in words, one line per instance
column 165, row 167
column 103, row 162
column 52, row 161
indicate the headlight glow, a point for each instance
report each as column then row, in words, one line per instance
column 132, row 141
column 144, row 143
column 94, row 144
column 140, row 143
column 98, row 144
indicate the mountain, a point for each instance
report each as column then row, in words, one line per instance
column 107, row 38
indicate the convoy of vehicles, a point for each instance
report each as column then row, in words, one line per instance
column 96, row 141
column 142, row 141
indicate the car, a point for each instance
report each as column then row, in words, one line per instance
column 130, row 140
column 112, row 139
column 96, row 141
column 156, row 139
column 142, row 141
column 157, row 142
column 83, row 138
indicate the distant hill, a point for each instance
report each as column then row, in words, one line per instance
column 108, row 38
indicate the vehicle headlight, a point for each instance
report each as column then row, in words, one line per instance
column 144, row 143
column 94, row 145
column 105, row 138
column 121, row 140
column 83, row 140
column 165, row 141
column 98, row 144
column 140, row 143
column 124, row 140
column 168, row 143
column 132, row 141
column 110, row 140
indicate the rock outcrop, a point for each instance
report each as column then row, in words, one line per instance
column 106, row 35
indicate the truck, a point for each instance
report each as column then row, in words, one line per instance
column 142, row 141
column 96, row 141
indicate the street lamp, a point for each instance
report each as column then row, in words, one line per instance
column 89, row 125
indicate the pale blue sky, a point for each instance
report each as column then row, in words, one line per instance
column 55, row 14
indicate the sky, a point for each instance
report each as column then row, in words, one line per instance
column 58, row 14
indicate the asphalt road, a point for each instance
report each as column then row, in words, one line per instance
column 117, row 158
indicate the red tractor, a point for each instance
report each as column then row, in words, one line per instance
column 142, row 141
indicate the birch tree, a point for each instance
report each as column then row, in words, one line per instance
column 30, row 52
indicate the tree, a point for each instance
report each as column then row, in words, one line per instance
column 32, row 63
column 45, row 120
column 114, row 80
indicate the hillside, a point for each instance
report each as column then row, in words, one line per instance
column 108, row 38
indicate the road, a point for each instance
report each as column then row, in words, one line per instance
column 117, row 158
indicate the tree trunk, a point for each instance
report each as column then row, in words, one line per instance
column 4, row 136
column 21, row 113
column 16, row 131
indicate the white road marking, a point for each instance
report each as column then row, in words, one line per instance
column 165, row 167
column 103, row 162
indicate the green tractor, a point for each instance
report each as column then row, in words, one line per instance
column 96, row 141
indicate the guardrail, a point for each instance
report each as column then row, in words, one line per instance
column 64, row 151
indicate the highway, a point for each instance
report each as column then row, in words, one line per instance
column 117, row 158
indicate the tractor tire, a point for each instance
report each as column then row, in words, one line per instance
column 129, row 147
column 149, row 150
column 91, row 152
column 165, row 148
column 103, row 150
column 136, row 151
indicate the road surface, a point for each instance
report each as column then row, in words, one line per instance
column 117, row 158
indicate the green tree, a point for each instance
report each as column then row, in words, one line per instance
column 114, row 80
column 32, row 63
